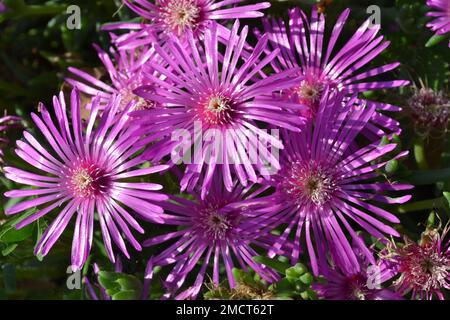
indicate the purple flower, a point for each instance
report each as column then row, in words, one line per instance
column 326, row 182
column 225, row 226
column 7, row 123
column 124, row 70
column 82, row 174
column 430, row 111
column 441, row 16
column 323, row 64
column 2, row 7
column 180, row 16
column 224, row 98
column 422, row 269
column 366, row 283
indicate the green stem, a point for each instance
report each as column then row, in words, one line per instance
column 422, row 205
column 419, row 154
column 44, row 10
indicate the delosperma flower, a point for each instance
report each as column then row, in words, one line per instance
column 178, row 17
column 7, row 123
column 325, row 64
column 325, row 188
column 430, row 110
column 441, row 16
column 3, row 7
column 220, row 99
column 422, row 269
column 124, row 70
column 82, row 171
column 222, row 229
column 365, row 283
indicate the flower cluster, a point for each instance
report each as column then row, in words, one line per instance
column 275, row 150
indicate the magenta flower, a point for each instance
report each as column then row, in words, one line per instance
column 325, row 183
column 3, row 7
column 322, row 64
column 82, row 174
column 366, row 283
column 225, row 226
column 219, row 96
column 179, row 16
column 124, row 70
column 441, row 16
column 421, row 269
column 7, row 123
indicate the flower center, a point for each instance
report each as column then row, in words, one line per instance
column 309, row 184
column 430, row 109
column 218, row 225
column 86, row 181
column 422, row 267
column 180, row 15
column 309, row 92
column 213, row 223
column 127, row 95
column 82, row 180
column 216, row 110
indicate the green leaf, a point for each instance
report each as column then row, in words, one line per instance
column 295, row 272
column 391, row 166
column 284, row 287
column 384, row 141
column 9, row 249
column 128, row 282
column 120, row 286
column 273, row 263
column 307, row 279
column 431, row 220
column 125, row 295
column 12, row 235
column 447, row 197
column 436, row 39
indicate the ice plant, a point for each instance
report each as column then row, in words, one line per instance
column 326, row 187
column 218, row 95
column 124, row 69
column 422, row 269
column 82, row 173
column 365, row 283
column 430, row 110
column 223, row 229
column 325, row 64
column 2, row 7
column 177, row 17
column 441, row 16
column 7, row 123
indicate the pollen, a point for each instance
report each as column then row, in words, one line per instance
column 309, row 184
column 216, row 110
column 86, row 181
column 180, row 15
column 213, row 223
